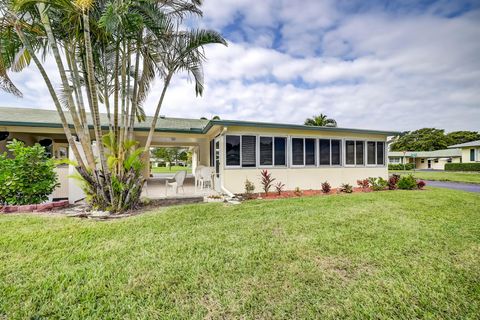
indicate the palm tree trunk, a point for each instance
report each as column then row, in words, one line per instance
column 54, row 96
column 135, row 90
column 157, row 112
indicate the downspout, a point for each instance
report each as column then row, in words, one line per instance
column 222, row 151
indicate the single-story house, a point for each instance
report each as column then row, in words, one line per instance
column 297, row 155
column 470, row 151
column 434, row 160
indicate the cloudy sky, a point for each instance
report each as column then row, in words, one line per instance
column 398, row 65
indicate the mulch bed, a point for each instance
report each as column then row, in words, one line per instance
column 303, row 193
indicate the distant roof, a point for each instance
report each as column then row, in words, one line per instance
column 50, row 119
column 445, row 153
column 466, row 144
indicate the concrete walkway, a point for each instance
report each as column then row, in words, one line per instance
column 470, row 187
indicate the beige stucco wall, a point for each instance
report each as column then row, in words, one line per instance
column 233, row 179
column 440, row 165
column 62, row 174
column 466, row 154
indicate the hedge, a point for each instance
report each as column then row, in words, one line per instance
column 474, row 166
column 399, row 166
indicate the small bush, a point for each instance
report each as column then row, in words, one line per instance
column 298, row 191
column 364, row 184
column 475, row 166
column 28, row 177
column 279, row 187
column 393, row 181
column 326, row 187
column 421, row 184
column 249, row 189
column 407, row 182
column 346, row 188
column 378, row 184
column 399, row 166
column 267, row 181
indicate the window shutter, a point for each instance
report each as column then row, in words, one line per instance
column 249, row 151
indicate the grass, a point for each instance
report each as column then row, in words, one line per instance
column 172, row 170
column 455, row 176
column 401, row 254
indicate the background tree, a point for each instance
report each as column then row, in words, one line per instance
column 320, row 120
column 171, row 155
column 430, row 139
column 457, row 137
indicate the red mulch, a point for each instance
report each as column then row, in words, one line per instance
column 303, row 193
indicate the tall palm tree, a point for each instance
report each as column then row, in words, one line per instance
column 320, row 120
column 110, row 52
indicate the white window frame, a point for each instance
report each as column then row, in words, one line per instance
column 273, row 165
column 225, row 151
column 304, row 165
column 386, row 159
column 330, row 153
column 355, row 152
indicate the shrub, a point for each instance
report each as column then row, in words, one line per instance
column 475, row 166
column 326, row 187
column 298, row 191
column 28, row 177
column 399, row 166
column 346, row 188
column 378, row 184
column 393, row 181
column 407, row 182
column 364, row 184
column 249, row 189
column 279, row 187
column 421, row 184
column 267, row 181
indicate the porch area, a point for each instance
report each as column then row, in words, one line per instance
column 155, row 189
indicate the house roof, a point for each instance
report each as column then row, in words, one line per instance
column 50, row 119
column 466, row 144
column 445, row 153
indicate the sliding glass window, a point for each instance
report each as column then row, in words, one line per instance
column 297, row 152
column 376, row 153
column 330, row 152
column 354, row 152
column 280, row 151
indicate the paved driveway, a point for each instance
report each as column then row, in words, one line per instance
column 470, row 187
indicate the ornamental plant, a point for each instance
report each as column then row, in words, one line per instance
column 421, row 184
column 364, row 184
column 326, row 187
column 378, row 184
column 279, row 187
column 249, row 189
column 393, row 181
column 346, row 188
column 267, row 181
column 27, row 176
column 407, row 182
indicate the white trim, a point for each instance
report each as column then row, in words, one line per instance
column 330, row 165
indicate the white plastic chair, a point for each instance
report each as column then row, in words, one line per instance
column 198, row 176
column 176, row 182
column 206, row 177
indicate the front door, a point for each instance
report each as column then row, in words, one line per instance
column 429, row 164
column 216, row 179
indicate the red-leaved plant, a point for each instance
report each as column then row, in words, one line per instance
column 279, row 187
column 393, row 181
column 364, row 184
column 421, row 184
column 326, row 187
column 267, row 181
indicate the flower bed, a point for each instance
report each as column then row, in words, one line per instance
column 303, row 193
column 43, row 207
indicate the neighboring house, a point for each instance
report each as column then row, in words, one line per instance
column 297, row 155
column 470, row 151
column 434, row 160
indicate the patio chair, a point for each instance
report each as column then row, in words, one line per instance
column 176, row 182
column 206, row 174
column 198, row 175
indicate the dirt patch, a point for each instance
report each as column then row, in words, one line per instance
column 343, row 268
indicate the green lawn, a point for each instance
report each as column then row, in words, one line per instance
column 172, row 170
column 383, row 255
column 469, row 177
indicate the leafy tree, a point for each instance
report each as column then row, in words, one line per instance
column 170, row 154
column 426, row 139
column 457, row 137
column 320, row 120
column 110, row 52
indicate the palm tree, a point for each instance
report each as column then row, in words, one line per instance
column 111, row 53
column 320, row 120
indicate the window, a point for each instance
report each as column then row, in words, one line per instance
column 422, row 161
column 472, row 154
column 310, row 146
column 371, row 146
column 249, row 155
column 359, row 155
column 280, row 151
column 266, row 151
column 212, row 152
column 449, row 160
column 380, row 153
column 329, row 152
column 297, row 152
column 394, row 160
column 233, row 150
column 436, row 160
column 350, row 152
